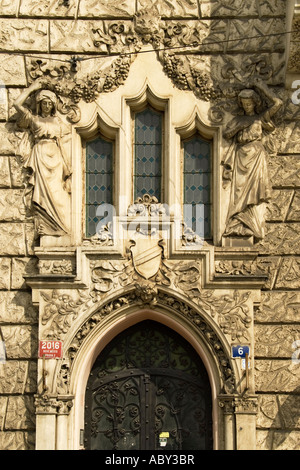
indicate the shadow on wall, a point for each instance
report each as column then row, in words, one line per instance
column 284, row 433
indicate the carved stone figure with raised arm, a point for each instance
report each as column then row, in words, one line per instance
column 246, row 163
column 49, row 167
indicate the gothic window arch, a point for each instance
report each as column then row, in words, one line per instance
column 197, row 185
column 145, row 153
column 199, row 177
column 95, row 174
column 99, row 187
column 148, row 153
column 149, row 134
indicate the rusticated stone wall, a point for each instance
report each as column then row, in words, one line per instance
column 62, row 28
column 18, row 317
column 277, row 330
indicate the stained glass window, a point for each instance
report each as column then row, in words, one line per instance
column 99, row 190
column 148, row 153
column 197, row 185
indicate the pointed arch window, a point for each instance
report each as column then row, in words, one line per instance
column 197, row 176
column 99, row 181
column 148, row 136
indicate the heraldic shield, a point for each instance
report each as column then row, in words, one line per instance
column 146, row 256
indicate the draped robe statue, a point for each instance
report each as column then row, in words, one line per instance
column 246, row 165
column 47, row 162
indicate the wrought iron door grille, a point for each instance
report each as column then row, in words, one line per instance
column 148, row 381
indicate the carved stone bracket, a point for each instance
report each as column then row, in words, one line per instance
column 57, row 404
column 146, row 206
column 239, row 405
column 190, row 238
column 104, row 237
column 246, row 405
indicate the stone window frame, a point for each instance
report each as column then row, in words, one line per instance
column 208, row 203
column 195, row 126
column 96, row 127
column 172, row 173
column 134, row 139
column 159, row 104
column 85, row 146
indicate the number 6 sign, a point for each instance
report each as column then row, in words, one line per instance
column 240, row 351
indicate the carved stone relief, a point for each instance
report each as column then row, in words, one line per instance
column 294, row 55
column 235, row 8
column 289, row 274
column 277, row 375
column 17, row 440
column 20, row 413
column 24, row 35
column 106, row 8
column 245, row 164
column 124, row 8
column 187, row 71
column 47, row 8
column 60, row 310
column 217, row 82
column 42, row 148
column 17, row 376
column 153, row 296
column 281, row 239
column 279, row 306
column 46, row 404
column 229, row 310
column 279, row 412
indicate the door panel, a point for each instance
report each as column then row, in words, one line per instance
column 180, row 409
column 148, row 390
column 115, row 418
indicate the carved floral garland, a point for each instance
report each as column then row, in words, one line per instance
column 187, row 71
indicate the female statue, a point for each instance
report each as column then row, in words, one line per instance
column 246, row 164
column 50, row 170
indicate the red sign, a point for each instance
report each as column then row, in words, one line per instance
column 50, row 349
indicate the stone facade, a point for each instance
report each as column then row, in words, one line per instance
column 100, row 61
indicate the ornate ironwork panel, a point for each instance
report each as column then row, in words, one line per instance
column 148, row 389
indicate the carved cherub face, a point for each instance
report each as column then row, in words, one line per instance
column 46, row 107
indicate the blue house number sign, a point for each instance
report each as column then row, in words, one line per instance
column 240, row 351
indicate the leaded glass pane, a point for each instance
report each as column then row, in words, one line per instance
column 147, row 185
column 197, row 186
column 99, row 162
column 198, row 217
column 148, row 150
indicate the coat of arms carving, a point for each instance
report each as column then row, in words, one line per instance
column 146, row 256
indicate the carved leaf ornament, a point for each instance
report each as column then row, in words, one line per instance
column 145, row 293
column 175, row 43
column 230, row 312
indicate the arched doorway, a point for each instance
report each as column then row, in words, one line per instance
column 148, row 390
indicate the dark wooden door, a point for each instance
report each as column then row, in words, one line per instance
column 148, row 390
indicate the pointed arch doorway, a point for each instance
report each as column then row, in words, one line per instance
column 148, row 390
